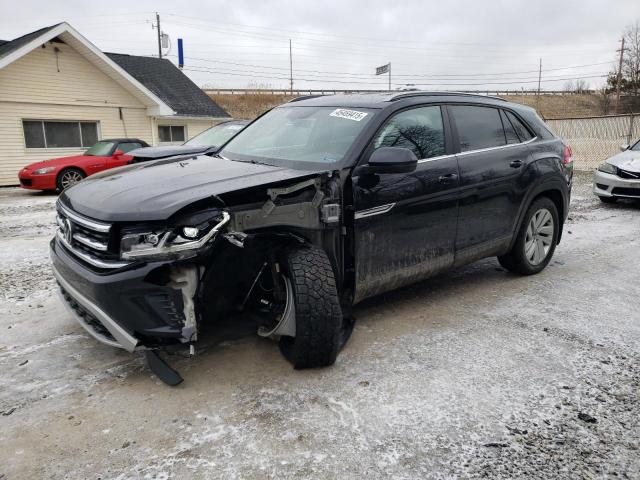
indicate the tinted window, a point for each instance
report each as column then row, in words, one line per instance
column 89, row 133
column 33, row 134
column 418, row 129
column 520, row 129
column 509, row 131
column 127, row 147
column 62, row 134
column 51, row 134
column 478, row 127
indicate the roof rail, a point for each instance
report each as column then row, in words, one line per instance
column 402, row 95
column 304, row 97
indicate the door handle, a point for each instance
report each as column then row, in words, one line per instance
column 448, row 179
column 515, row 163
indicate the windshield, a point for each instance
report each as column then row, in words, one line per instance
column 100, row 149
column 216, row 135
column 299, row 134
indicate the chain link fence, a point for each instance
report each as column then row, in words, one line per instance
column 594, row 139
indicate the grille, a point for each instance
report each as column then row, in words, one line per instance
column 88, row 318
column 629, row 175
column 88, row 240
column 27, row 182
column 627, row 192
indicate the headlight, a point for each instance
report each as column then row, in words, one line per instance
column 608, row 168
column 174, row 243
column 42, row 171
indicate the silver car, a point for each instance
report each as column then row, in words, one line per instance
column 619, row 176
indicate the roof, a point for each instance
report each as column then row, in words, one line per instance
column 7, row 46
column 162, row 87
column 384, row 99
column 165, row 80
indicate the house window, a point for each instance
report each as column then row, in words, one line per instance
column 171, row 133
column 59, row 134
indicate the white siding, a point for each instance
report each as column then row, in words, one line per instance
column 33, row 88
column 14, row 155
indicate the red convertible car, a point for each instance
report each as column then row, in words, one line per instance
column 61, row 173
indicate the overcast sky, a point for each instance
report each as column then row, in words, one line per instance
column 458, row 45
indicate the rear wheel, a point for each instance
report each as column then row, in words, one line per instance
column 68, row 178
column 320, row 330
column 607, row 199
column 536, row 240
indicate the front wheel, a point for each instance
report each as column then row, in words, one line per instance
column 536, row 240
column 320, row 332
column 68, row 178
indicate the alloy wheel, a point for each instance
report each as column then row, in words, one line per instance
column 539, row 237
column 70, row 178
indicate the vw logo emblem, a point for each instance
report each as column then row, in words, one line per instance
column 68, row 234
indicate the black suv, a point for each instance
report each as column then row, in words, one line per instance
column 313, row 207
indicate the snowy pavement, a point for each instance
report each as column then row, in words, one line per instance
column 475, row 373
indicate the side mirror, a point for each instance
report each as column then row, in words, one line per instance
column 392, row 160
column 624, row 147
column 118, row 153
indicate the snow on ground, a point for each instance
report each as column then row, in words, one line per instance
column 475, row 373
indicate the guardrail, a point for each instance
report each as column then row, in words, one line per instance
column 300, row 92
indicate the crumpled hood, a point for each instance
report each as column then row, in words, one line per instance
column 628, row 160
column 170, row 151
column 54, row 162
column 155, row 190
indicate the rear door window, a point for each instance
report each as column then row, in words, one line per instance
column 521, row 130
column 420, row 130
column 509, row 131
column 478, row 127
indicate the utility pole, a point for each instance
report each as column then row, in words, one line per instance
column 290, row 69
column 159, row 35
column 619, row 76
column 389, row 76
column 539, row 81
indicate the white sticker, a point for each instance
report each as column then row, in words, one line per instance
column 235, row 127
column 348, row 114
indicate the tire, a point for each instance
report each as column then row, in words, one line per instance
column 522, row 259
column 74, row 175
column 319, row 324
column 608, row 199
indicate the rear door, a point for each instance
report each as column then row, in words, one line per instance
column 405, row 224
column 495, row 171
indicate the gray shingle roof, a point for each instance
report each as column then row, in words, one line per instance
column 159, row 75
column 167, row 81
column 8, row 46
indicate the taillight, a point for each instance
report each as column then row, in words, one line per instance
column 567, row 156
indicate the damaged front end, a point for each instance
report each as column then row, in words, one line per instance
column 213, row 264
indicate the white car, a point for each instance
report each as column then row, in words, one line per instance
column 619, row 176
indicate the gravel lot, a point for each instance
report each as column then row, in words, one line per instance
column 476, row 373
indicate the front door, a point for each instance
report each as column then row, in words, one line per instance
column 405, row 224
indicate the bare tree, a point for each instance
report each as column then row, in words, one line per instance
column 631, row 58
column 604, row 101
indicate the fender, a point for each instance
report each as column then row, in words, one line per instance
column 547, row 183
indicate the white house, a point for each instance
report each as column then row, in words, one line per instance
column 59, row 94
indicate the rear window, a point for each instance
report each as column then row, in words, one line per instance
column 478, row 127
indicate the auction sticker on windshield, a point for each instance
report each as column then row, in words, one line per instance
column 348, row 114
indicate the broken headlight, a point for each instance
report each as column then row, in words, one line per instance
column 176, row 242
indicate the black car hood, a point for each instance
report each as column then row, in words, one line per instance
column 157, row 189
column 150, row 153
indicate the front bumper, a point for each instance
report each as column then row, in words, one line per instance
column 37, row 182
column 126, row 308
column 609, row 185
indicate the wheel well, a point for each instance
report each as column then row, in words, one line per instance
column 556, row 197
column 65, row 169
